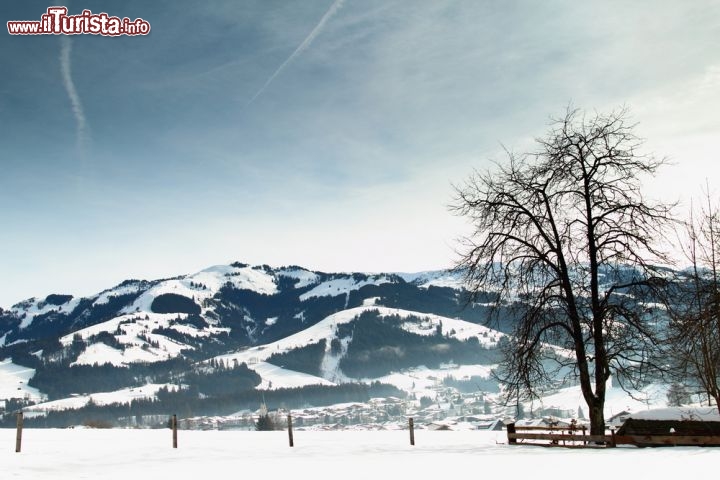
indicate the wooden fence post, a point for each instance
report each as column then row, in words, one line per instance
column 290, row 432
column 18, row 438
column 173, row 422
column 411, row 424
column 511, row 429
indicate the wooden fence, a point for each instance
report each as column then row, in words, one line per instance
column 174, row 430
column 579, row 438
column 548, row 436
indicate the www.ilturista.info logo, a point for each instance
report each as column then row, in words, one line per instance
column 57, row 22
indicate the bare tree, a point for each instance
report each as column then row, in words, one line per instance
column 566, row 234
column 694, row 305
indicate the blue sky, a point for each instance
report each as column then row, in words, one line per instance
column 320, row 133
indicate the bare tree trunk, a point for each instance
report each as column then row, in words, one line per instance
column 597, row 417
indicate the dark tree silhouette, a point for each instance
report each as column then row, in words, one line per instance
column 694, row 305
column 265, row 421
column 567, row 229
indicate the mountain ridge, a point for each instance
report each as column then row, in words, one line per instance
column 185, row 331
column 221, row 339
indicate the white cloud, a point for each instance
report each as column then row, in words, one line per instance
column 82, row 130
column 302, row 47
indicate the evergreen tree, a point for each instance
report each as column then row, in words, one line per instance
column 264, row 422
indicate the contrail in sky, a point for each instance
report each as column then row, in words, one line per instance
column 66, row 71
column 301, row 48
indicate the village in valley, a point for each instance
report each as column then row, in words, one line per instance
column 448, row 409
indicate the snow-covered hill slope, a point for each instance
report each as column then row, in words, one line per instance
column 218, row 312
column 123, row 396
column 259, row 302
column 233, row 329
column 14, row 382
column 330, row 372
column 422, row 324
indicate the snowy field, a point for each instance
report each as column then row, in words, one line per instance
column 374, row 455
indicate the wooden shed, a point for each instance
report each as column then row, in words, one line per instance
column 672, row 426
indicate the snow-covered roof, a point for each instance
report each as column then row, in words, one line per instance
column 705, row 414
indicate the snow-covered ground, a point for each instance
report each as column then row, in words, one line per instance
column 424, row 382
column 274, row 377
column 14, row 379
column 616, row 400
column 125, row 396
column 144, row 454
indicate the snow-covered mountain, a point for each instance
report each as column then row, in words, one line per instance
column 153, row 321
column 230, row 337
column 239, row 327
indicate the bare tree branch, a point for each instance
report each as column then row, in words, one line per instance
column 564, row 227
